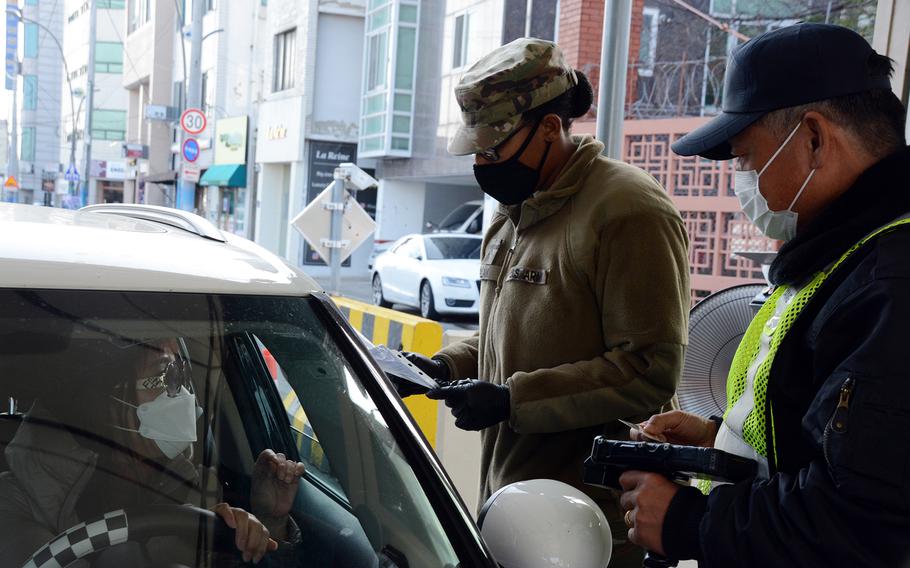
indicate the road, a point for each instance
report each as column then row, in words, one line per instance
column 358, row 288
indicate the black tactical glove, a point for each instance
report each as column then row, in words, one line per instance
column 433, row 368
column 475, row 404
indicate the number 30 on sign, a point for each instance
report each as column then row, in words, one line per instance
column 193, row 121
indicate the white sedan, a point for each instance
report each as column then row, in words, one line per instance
column 438, row 273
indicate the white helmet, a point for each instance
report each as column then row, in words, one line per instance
column 544, row 523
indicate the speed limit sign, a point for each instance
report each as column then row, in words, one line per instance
column 192, row 121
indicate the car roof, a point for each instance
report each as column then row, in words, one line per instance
column 113, row 249
column 446, row 236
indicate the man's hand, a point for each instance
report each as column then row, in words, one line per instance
column 434, row 368
column 274, row 486
column 646, row 498
column 678, row 427
column 250, row 536
column 475, row 404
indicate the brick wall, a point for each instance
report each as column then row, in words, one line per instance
column 581, row 32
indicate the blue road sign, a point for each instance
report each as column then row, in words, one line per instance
column 190, row 149
column 72, row 174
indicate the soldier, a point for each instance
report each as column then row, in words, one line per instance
column 584, row 274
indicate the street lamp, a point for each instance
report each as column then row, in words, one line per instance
column 18, row 14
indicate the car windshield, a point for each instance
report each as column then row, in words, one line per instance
column 456, row 218
column 90, row 427
column 452, row 248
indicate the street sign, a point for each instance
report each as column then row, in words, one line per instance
column 315, row 224
column 190, row 149
column 190, row 173
column 11, row 183
column 161, row 112
column 72, row 174
column 193, row 121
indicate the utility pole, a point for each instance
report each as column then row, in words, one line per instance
column 614, row 64
column 186, row 191
column 14, row 143
column 251, row 126
column 89, row 102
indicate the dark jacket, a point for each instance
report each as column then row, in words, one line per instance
column 837, row 496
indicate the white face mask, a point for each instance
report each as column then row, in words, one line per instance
column 779, row 225
column 168, row 420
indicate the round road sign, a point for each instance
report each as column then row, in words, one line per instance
column 193, row 121
column 190, row 149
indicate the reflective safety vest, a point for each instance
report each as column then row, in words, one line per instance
column 743, row 431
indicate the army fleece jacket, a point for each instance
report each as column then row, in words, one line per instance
column 583, row 314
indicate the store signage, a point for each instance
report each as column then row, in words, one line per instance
column 193, row 121
column 230, row 140
column 161, row 112
column 12, row 43
column 277, row 133
column 135, row 151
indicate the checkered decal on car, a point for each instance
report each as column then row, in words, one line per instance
column 81, row 540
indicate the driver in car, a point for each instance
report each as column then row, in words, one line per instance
column 76, row 459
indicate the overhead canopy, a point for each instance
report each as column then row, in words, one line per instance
column 168, row 177
column 225, row 175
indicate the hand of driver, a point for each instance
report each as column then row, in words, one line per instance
column 475, row 404
column 274, row 487
column 250, row 536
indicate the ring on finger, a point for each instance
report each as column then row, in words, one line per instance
column 628, row 519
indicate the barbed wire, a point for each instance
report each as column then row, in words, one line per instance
column 676, row 88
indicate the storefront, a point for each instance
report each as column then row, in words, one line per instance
column 224, row 194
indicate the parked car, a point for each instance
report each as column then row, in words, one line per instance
column 466, row 218
column 438, row 274
column 272, row 364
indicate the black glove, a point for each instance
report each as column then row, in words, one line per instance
column 434, row 368
column 475, row 404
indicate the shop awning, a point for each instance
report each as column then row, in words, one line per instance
column 225, row 175
column 168, row 177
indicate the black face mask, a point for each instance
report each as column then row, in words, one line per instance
column 511, row 182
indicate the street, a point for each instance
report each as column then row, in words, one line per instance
column 358, row 288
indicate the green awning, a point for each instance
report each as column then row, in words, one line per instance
column 225, row 175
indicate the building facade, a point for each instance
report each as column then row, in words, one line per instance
column 310, row 69
column 106, row 166
column 39, row 99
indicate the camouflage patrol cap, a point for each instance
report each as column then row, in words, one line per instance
column 507, row 82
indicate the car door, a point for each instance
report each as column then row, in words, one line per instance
column 391, row 271
column 411, row 268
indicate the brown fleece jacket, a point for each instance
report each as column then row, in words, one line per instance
column 584, row 303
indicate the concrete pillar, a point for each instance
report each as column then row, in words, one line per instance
column 399, row 208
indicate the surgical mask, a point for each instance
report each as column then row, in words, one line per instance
column 168, row 420
column 511, row 182
column 780, row 225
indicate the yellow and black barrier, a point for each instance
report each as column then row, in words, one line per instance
column 399, row 331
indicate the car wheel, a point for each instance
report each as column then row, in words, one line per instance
column 378, row 298
column 427, row 303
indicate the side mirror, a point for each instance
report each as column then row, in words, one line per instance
column 543, row 522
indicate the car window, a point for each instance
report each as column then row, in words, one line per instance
column 410, row 249
column 452, row 248
column 457, row 217
column 263, row 373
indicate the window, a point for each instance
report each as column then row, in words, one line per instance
column 283, row 70
column 386, row 117
column 111, row 4
column 29, row 92
column 451, row 248
column 211, row 5
column 208, row 91
column 647, row 51
column 460, row 52
column 31, row 39
column 108, row 57
column 31, row 2
column 262, row 373
column 140, row 12
column 543, row 24
column 27, row 151
column 109, row 124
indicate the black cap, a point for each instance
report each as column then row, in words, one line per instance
column 783, row 68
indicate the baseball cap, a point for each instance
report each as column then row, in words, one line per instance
column 510, row 80
column 783, row 68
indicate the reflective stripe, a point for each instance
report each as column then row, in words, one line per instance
column 743, row 430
